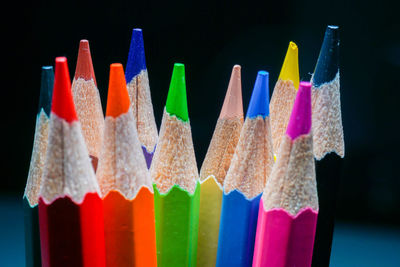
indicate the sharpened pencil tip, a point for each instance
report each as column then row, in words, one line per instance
column 46, row 89
column 300, row 119
column 233, row 103
column 62, row 103
column 84, row 65
column 290, row 67
column 259, row 102
column 118, row 98
column 176, row 99
column 328, row 61
column 136, row 57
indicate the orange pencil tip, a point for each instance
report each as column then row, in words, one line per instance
column 118, row 98
column 84, row 66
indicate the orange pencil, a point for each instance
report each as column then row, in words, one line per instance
column 125, row 183
column 87, row 101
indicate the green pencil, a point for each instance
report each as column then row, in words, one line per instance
column 175, row 174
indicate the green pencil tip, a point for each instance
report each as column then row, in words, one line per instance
column 176, row 99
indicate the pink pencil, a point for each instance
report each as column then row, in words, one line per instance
column 289, row 206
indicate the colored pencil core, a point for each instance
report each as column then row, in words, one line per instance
column 259, row 102
column 46, row 89
column 233, row 107
column 290, row 67
column 84, row 66
column 136, row 57
column 328, row 60
column 118, row 98
column 300, row 119
column 176, row 99
column 62, row 103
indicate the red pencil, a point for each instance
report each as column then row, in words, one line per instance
column 70, row 209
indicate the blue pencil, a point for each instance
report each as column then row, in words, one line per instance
column 245, row 180
column 137, row 82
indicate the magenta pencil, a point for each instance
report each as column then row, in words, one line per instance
column 289, row 206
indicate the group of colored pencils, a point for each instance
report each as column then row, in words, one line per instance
column 114, row 191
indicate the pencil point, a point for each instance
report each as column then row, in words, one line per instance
column 84, row 65
column 290, row 67
column 136, row 57
column 233, row 104
column 259, row 102
column 328, row 61
column 118, row 98
column 62, row 103
column 300, row 119
column 176, row 99
column 46, row 89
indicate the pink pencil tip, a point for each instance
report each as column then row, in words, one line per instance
column 233, row 104
column 300, row 119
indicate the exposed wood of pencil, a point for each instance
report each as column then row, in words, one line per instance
column 281, row 106
column 283, row 95
column 226, row 133
column 36, row 167
column 68, row 170
column 327, row 119
column 253, row 159
column 174, row 161
column 292, row 184
column 87, row 101
column 142, row 107
column 122, row 166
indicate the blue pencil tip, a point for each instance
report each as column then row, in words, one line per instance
column 46, row 90
column 259, row 102
column 136, row 58
column 328, row 61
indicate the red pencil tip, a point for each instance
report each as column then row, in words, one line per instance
column 84, row 65
column 118, row 98
column 62, row 103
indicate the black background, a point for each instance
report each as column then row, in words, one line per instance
column 209, row 37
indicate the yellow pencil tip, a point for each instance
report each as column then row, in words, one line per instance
column 290, row 68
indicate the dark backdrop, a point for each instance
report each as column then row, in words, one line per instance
column 210, row 37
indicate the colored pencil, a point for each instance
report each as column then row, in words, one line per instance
column 31, row 194
column 250, row 167
column 289, row 205
column 328, row 137
column 125, row 183
column 327, row 115
column 70, row 208
column 139, row 91
column 214, row 168
column 87, row 102
column 284, row 94
column 175, row 175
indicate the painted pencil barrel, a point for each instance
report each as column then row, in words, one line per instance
column 72, row 234
column 284, row 240
column 32, row 235
column 177, row 220
column 237, row 229
column 130, row 229
column 209, row 219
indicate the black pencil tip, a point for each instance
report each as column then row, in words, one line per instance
column 328, row 61
column 46, row 89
